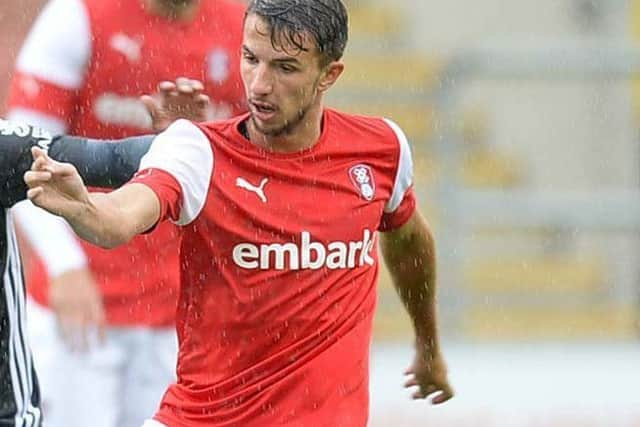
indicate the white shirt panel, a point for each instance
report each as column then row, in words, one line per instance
column 58, row 46
column 404, row 176
column 52, row 124
column 51, row 237
column 184, row 152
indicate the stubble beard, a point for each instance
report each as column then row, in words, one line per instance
column 287, row 128
column 176, row 4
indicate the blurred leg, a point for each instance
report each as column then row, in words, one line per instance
column 150, row 369
column 78, row 389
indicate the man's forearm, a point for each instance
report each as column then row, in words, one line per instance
column 99, row 221
column 411, row 260
column 110, row 220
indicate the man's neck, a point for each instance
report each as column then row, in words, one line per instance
column 175, row 10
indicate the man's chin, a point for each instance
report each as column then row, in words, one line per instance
column 266, row 129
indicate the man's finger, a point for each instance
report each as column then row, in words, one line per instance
column 99, row 320
column 166, row 86
column 39, row 164
column 185, row 89
column 40, row 159
column 151, row 105
column 35, row 178
column 34, row 193
column 442, row 397
column 37, row 152
column 58, row 169
column 197, row 85
column 202, row 100
column 418, row 394
column 410, row 383
column 65, row 330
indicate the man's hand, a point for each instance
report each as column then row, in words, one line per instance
column 429, row 373
column 180, row 100
column 54, row 186
column 77, row 304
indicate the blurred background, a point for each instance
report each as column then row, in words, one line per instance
column 523, row 118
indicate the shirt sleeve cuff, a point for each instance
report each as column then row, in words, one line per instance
column 166, row 188
column 402, row 214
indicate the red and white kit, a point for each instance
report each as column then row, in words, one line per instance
column 279, row 267
column 81, row 71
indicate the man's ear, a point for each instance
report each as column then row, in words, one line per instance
column 330, row 75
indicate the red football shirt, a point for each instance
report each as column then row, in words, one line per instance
column 278, row 268
column 84, row 65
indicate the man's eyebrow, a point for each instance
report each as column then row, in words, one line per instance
column 287, row 60
column 280, row 60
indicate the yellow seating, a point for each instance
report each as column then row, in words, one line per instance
column 377, row 20
column 580, row 322
column 544, row 274
column 411, row 71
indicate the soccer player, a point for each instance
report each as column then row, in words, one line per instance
column 100, row 164
column 280, row 210
column 81, row 71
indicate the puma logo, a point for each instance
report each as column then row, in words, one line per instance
column 259, row 190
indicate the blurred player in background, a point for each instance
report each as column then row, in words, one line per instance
column 101, row 163
column 81, row 71
column 280, row 211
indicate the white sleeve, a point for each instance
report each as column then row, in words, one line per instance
column 51, row 238
column 58, row 46
column 184, row 152
column 53, row 125
column 404, row 176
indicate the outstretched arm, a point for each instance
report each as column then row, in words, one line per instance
column 106, row 220
column 409, row 253
column 172, row 184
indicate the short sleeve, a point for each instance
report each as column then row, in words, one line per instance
column 184, row 153
column 402, row 214
column 51, row 66
column 167, row 190
column 58, row 47
column 402, row 202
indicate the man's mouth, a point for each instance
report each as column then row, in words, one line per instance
column 263, row 111
column 263, row 107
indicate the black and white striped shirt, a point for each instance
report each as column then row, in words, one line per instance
column 101, row 164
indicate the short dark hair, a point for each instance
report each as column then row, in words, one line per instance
column 290, row 20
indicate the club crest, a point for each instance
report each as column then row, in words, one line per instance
column 362, row 177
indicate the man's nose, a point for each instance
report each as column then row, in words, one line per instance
column 262, row 83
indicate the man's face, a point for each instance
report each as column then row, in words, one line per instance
column 280, row 84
